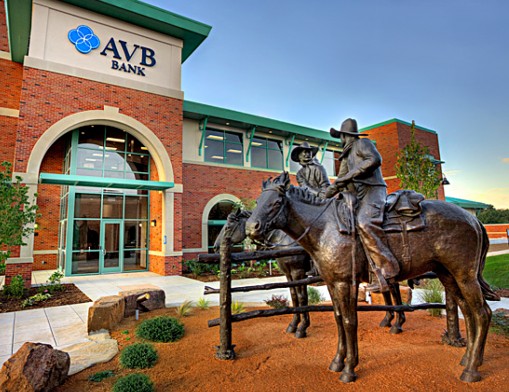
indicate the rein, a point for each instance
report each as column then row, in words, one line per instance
column 306, row 231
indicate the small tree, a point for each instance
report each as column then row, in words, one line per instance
column 416, row 170
column 17, row 213
column 493, row 215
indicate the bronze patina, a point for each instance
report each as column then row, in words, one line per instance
column 453, row 245
column 312, row 175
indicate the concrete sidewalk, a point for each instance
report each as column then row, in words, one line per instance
column 65, row 325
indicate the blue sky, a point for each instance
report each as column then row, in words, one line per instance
column 444, row 64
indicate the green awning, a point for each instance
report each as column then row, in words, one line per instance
column 101, row 182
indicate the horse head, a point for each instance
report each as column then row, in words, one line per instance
column 270, row 205
column 236, row 224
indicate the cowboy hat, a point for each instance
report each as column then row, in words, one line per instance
column 349, row 127
column 304, row 146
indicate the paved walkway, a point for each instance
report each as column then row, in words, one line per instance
column 65, row 325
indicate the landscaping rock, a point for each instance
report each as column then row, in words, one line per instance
column 101, row 348
column 106, row 313
column 35, row 367
column 406, row 296
column 156, row 300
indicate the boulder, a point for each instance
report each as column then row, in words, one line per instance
column 35, row 367
column 406, row 296
column 156, row 300
column 100, row 348
column 106, row 313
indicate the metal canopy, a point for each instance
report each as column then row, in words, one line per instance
column 101, row 182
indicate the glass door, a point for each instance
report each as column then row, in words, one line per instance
column 111, row 245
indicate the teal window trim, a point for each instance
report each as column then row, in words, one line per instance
column 103, row 182
column 225, row 143
column 266, row 149
column 290, row 146
column 217, row 222
column 251, row 136
column 323, row 151
column 203, row 128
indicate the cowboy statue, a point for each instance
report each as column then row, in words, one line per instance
column 312, row 174
column 360, row 173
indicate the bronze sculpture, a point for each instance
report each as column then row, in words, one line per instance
column 360, row 173
column 312, row 174
column 294, row 267
column 454, row 245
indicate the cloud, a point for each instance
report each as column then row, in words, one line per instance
column 505, row 160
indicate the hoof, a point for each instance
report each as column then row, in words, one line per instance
column 385, row 323
column 457, row 342
column 395, row 330
column 470, row 376
column 336, row 366
column 291, row 329
column 348, row 377
column 300, row 334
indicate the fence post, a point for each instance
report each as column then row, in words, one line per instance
column 225, row 348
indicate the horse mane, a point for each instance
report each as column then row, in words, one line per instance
column 304, row 195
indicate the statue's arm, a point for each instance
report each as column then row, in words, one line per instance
column 370, row 160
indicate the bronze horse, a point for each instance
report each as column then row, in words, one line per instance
column 454, row 245
column 295, row 268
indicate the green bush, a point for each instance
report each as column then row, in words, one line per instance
column 39, row 297
column 99, row 376
column 203, row 303
column 138, row 356
column 16, row 288
column 197, row 267
column 161, row 329
column 500, row 322
column 2, row 268
column 314, row 296
column 237, row 307
column 277, row 301
column 433, row 293
column 136, row 382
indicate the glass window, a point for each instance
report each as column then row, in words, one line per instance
column 331, row 162
column 224, row 147
column 267, row 153
column 86, row 235
column 113, row 206
column 87, row 206
column 136, row 207
column 217, row 218
column 135, row 235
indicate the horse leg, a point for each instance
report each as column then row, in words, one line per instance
column 400, row 318
column 389, row 315
column 337, row 363
column 452, row 287
column 452, row 335
column 292, row 327
column 302, row 297
column 348, row 306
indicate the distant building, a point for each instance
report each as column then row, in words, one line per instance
column 129, row 175
column 474, row 207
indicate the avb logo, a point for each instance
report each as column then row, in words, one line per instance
column 85, row 41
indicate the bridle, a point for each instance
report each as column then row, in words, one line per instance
column 283, row 205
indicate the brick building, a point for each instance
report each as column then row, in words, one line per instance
column 130, row 176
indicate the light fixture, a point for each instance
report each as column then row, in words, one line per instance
column 217, row 157
column 36, row 226
column 111, row 148
column 153, row 223
column 445, row 181
column 227, row 123
column 144, row 148
column 256, row 144
column 114, row 139
column 234, row 151
column 215, row 137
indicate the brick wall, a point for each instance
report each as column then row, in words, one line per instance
column 4, row 40
column 497, row 231
column 23, row 269
column 12, row 74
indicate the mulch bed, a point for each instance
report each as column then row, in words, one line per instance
column 70, row 295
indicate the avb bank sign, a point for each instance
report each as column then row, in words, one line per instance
column 79, row 42
column 125, row 57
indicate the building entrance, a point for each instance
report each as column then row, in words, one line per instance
column 111, row 245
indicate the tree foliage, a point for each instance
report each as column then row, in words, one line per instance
column 416, row 170
column 492, row 215
column 17, row 212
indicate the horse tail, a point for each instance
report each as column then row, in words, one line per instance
column 488, row 293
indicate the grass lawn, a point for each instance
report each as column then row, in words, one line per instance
column 496, row 271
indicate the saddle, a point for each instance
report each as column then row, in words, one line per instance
column 403, row 212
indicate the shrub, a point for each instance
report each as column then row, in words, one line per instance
column 500, row 322
column 136, row 382
column 16, row 288
column 2, row 268
column 54, row 282
column 433, row 293
column 184, row 309
column 237, row 307
column 314, row 296
column 99, row 376
column 39, row 297
column 138, row 356
column 277, row 301
column 197, row 268
column 203, row 303
column 161, row 329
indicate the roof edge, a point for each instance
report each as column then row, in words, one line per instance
column 396, row 120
